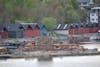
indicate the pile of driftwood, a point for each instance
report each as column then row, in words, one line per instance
column 3, row 50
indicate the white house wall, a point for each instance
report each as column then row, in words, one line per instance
column 94, row 17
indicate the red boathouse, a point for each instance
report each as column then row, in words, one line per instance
column 36, row 31
column 29, row 31
column 32, row 31
column 4, row 33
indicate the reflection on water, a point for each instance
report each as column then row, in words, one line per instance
column 78, row 61
column 47, row 58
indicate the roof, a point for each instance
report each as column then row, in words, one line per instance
column 25, row 25
column 42, row 26
column 76, row 25
column 58, row 26
column 11, row 27
column 62, row 26
column 28, row 23
column 16, row 27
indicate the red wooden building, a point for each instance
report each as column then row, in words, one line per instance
column 71, row 30
column 32, row 30
column 80, row 30
column 4, row 33
column 0, row 30
column 76, row 29
column 95, row 28
column 86, row 28
column 83, row 28
column 29, row 31
column 36, row 31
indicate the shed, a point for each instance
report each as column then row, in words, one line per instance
column 43, row 30
column 4, row 33
column 81, row 28
column 31, row 30
column 87, row 28
column 84, row 28
column 28, row 31
column 71, row 29
column 14, row 30
column 76, row 29
column 20, row 33
column 95, row 28
column 36, row 30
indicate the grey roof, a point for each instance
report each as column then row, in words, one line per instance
column 25, row 25
column 42, row 26
column 58, row 26
column 11, row 27
column 16, row 27
column 76, row 25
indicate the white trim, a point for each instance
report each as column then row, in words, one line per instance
column 58, row 26
column 65, row 26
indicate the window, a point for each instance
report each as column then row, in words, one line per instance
column 92, row 19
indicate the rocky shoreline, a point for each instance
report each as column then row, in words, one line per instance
column 37, row 54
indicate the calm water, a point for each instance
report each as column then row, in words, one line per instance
column 82, row 61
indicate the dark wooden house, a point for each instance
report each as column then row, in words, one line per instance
column 43, row 30
column 14, row 30
column 8, row 30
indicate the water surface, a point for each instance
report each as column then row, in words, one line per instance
column 78, row 61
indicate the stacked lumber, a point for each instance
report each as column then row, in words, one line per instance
column 3, row 50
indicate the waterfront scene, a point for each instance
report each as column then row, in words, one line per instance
column 77, row 61
column 49, row 33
